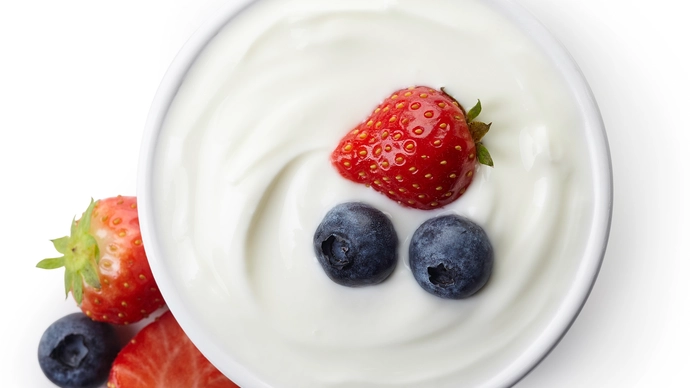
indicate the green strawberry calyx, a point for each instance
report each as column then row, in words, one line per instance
column 477, row 129
column 80, row 256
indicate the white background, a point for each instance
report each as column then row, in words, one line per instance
column 77, row 78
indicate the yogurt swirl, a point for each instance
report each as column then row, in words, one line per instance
column 243, row 178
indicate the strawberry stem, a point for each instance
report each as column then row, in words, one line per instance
column 483, row 155
column 68, row 282
column 477, row 129
column 474, row 112
column 80, row 256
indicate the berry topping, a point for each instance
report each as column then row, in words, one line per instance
column 356, row 245
column 161, row 355
column 77, row 352
column 451, row 257
column 419, row 148
column 106, row 268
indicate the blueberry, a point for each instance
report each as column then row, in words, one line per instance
column 77, row 352
column 356, row 245
column 451, row 257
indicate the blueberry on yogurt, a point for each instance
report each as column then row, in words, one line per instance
column 451, row 257
column 356, row 245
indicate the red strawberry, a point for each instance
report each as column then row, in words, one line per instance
column 419, row 148
column 161, row 355
column 105, row 264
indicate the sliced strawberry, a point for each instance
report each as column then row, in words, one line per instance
column 161, row 355
column 419, row 148
column 106, row 268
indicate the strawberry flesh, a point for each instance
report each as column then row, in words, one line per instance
column 106, row 267
column 161, row 355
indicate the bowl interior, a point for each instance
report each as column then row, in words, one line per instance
column 586, row 270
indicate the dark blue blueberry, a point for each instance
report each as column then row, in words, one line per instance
column 356, row 245
column 451, row 257
column 77, row 352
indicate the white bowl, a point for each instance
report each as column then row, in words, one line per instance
column 561, row 319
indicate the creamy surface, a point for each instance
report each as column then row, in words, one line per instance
column 243, row 178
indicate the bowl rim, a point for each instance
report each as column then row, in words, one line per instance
column 588, row 268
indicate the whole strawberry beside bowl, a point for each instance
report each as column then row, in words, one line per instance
column 106, row 268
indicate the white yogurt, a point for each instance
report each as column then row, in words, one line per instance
column 243, row 178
